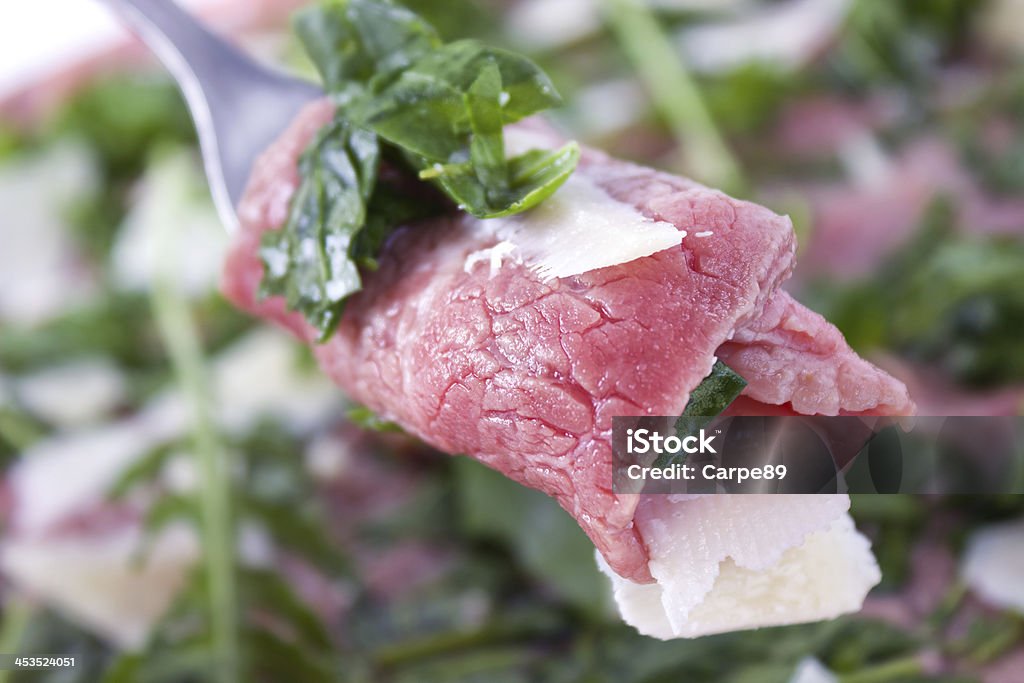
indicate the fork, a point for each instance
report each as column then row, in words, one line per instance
column 238, row 105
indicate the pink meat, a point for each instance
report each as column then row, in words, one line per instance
column 525, row 376
column 855, row 227
column 791, row 355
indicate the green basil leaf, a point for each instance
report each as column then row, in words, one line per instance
column 715, row 392
column 526, row 89
column 434, row 109
column 420, row 113
column 535, row 175
column 311, row 260
column 394, row 204
column 532, row 178
column 707, row 401
column 487, row 143
column 424, row 110
column 359, row 40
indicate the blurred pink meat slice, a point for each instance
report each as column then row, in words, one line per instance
column 525, row 375
column 820, row 125
column 936, row 394
column 857, row 225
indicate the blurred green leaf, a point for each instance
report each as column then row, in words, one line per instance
column 971, row 331
column 367, row 419
column 18, row 431
column 265, row 590
column 744, row 99
column 143, row 471
column 541, row 534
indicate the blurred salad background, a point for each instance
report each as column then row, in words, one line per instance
column 184, row 498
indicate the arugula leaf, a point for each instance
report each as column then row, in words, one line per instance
column 273, row 491
column 715, row 392
column 435, row 111
column 312, row 261
column 18, row 431
column 123, row 119
column 707, row 401
column 903, row 43
column 546, row 540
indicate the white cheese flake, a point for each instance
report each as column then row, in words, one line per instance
column 494, row 256
column 579, row 229
column 101, row 581
column 723, row 563
column 810, row 670
column 75, row 393
column 993, row 564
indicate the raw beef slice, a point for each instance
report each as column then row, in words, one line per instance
column 525, row 375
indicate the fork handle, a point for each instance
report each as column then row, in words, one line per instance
column 185, row 47
column 238, row 105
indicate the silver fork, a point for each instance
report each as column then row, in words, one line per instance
column 239, row 106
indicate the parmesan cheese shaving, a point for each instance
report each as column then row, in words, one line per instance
column 493, row 256
column 579, row 229
column 101, row 581
column 810, row 670
column 724, row 563
column 993, row 565
column 75, row 393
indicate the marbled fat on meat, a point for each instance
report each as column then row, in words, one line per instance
column 524, row 375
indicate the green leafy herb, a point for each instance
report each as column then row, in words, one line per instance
column 971, row 331
column 18, row 431
column 715, row 392
column 367, row 419
column 675, row 94
column 544, row 538
column 708, row 400
column 352, row 42
column 119, row 326
column 745, row 99
column 905, row 43
column 123, row 118
column 271, row 490
column 434, row 111
column 312, row 262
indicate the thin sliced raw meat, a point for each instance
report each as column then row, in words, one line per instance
column 525, row 375
column 791, row 355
